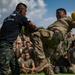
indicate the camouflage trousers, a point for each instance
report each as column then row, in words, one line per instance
column 48, row 70
column 43, row 40
column 8, row 59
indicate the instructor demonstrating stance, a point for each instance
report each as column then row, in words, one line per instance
column 8, row 34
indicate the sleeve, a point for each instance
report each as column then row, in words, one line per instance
column 69, row 21
column 22, row 61
column 31, row 61
column 24, row 20
column 29, row 26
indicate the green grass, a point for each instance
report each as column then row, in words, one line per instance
column 43, row 74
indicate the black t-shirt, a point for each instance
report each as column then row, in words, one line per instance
column 12, row 26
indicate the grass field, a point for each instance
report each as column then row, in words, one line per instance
column 43, row 74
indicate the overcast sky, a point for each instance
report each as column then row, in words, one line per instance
column 41, row 12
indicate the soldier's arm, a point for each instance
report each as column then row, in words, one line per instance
column 27, row 23
column 73, row 24
column 33, row 65
column 32, row 25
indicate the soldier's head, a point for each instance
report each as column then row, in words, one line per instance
column 28, row 45
column 60, row 13
column 21, row 8
column 27, row 55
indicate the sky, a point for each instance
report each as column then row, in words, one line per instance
column 41, row 12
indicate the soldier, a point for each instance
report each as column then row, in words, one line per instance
column 71, row 57
column 17, row 46
column 27, row 64
column 8, row 34
column 70, row 38
column 50, row 37
column 28, row 49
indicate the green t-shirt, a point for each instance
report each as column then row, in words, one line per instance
column 28, row 63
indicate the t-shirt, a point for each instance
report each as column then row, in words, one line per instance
column 27, row 63
column 72, row 55
column 12, row 26
column 30, row 51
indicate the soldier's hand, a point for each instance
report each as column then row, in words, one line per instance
column 32, row 25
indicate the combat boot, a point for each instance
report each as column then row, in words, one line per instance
column 43, row 63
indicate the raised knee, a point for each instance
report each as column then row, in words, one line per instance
column 36, row 34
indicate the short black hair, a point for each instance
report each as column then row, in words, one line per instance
column 19, row 5
column 61, row 9
column 27, row 41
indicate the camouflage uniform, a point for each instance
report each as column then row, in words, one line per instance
column 72, row 59
column 50, row 37
column 9, row 31
column 70, row 39
column 7, row 59
column 72, row 55
column 65, row 46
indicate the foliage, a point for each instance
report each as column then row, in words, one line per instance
column 22, row 30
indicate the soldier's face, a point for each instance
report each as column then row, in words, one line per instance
column 60, row 14
column 27, row 56
column 24, row 10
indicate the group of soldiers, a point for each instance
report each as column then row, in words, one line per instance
column 44, row 41
column 24, row 52
column 60, row 60
column 63, row 56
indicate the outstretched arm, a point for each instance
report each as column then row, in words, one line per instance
column 31, row 27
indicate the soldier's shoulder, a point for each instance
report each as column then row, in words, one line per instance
column 68, row 18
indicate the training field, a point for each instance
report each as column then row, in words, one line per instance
column 43, row 74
